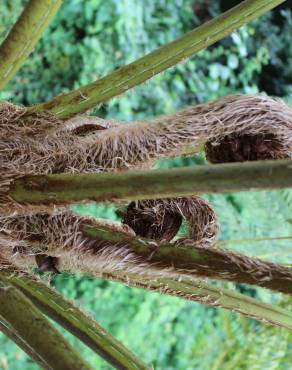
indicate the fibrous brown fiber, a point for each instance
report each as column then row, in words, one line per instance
column 14, row 122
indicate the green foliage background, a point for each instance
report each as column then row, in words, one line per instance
column 89, row 39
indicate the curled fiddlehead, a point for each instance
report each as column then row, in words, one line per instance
column 161, row 219
column 249, row 124
column 234, row 128
column 61, row 233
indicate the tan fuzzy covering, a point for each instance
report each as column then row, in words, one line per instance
column 133, row 144
column 61, row 233
column 64, row 235
column 137, row 143
column 15, row 121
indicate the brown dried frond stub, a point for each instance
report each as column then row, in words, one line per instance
column 239, row 148
column 161, row 219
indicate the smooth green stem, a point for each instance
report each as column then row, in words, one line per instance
column 134, row 185
column 196, row 290
column 14, row 336
column 36, row 330
column 74, row 320
column 24, row 35
column 129, row 76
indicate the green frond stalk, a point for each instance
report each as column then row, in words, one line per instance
column 215, row 263
column 189, row 288
column 134, row 74
column 197, row 290
column 24, row 35
column 12, row 334
column 228, row 177
column 75, row 321
column 36, row 331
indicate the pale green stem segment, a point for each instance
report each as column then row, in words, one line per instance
column 219, row 178
column 198, row 291
column 129, row 76
column 188, row 288
column 14, row 336
column 77, row 322
column 253, row 240
column 24, row 35
column 36, row 330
